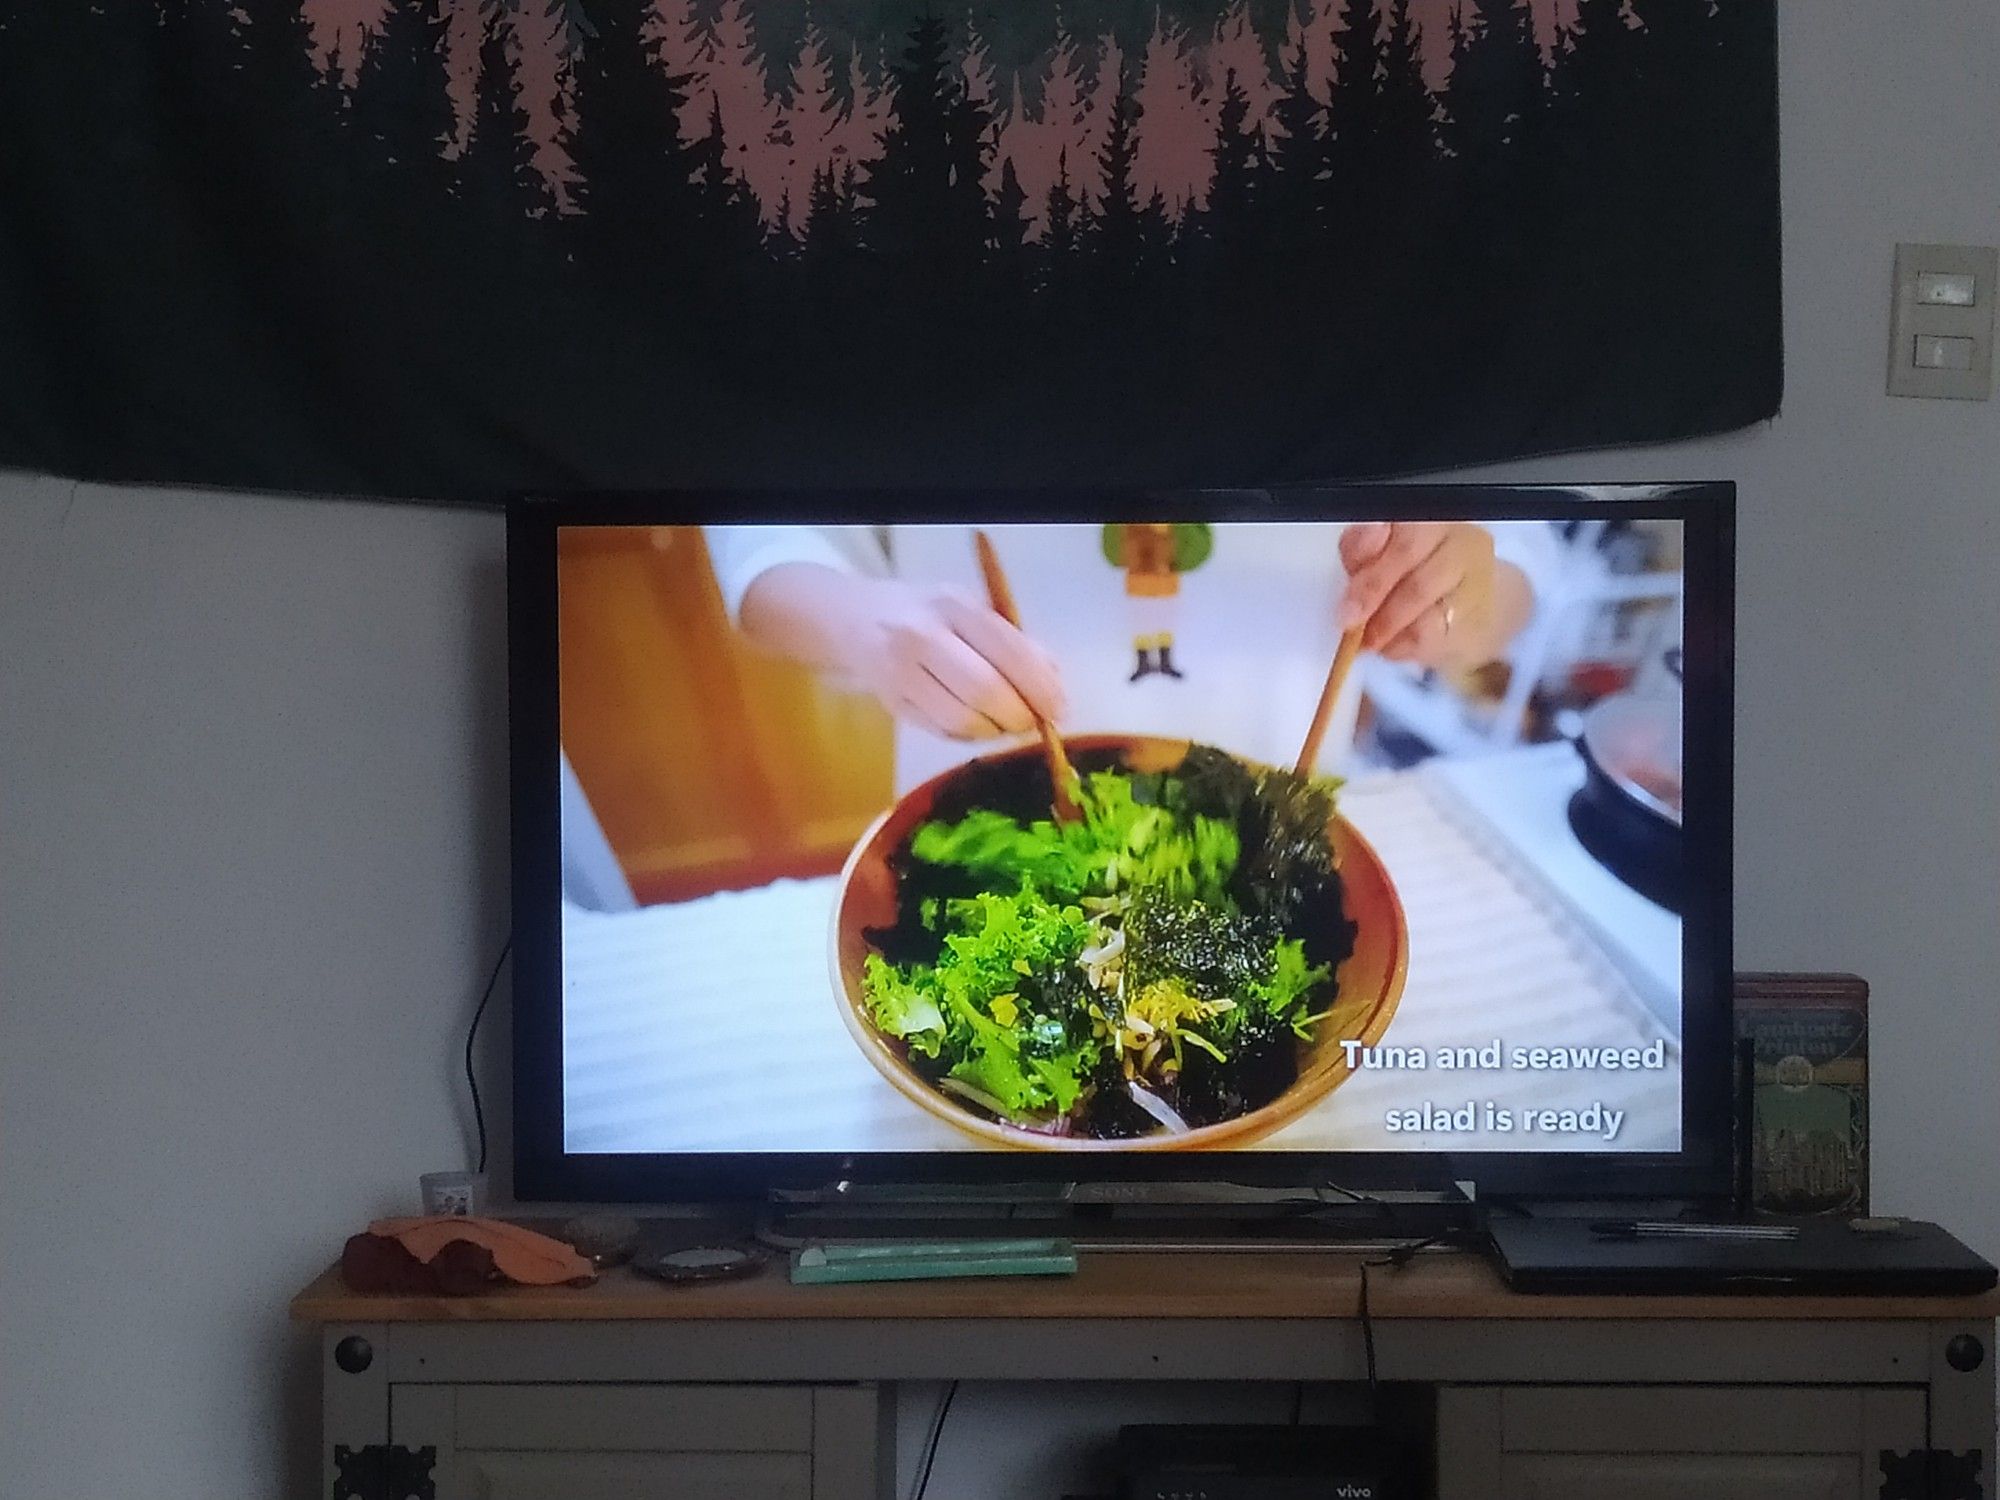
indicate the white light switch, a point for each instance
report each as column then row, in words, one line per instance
column 1937, row 289
column 1941, row 333
column 1934, row 353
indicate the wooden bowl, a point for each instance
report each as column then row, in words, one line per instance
column 1370, row 980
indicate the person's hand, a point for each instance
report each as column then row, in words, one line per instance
column 929, row 655
column 1428, row 592
column 948, row 663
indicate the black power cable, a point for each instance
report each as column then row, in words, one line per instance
column 931, row 1442
column 1368, row 1339
column 471, row 1034
column 1397, row 1258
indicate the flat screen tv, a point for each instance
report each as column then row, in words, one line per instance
column 803, row 893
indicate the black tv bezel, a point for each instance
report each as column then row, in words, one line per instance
column 544, row 1171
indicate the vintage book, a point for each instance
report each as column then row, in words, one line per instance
column 1805, row 1038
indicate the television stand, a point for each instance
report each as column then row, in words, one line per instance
column 1205, row 1217
column 785, row 1392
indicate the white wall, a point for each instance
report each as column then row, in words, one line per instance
column 1868, row 695
column 252, row 822
column 253, row 817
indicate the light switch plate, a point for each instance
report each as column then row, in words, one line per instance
column 1937, row 352
column 1932, row 316
column 1940, row 289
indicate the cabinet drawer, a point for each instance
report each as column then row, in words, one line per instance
column 1693, row 1442
column 1672, row 1419
column 635, row 1418
column 1549, row 1476
column 629, row 1476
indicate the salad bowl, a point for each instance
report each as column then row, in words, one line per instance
column 1368, row 982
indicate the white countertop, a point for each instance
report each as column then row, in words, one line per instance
column 1523, row 796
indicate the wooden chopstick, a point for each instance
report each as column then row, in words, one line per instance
column 1336, row 678
column 1001, row 598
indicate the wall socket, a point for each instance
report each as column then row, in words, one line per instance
column 1941, row 330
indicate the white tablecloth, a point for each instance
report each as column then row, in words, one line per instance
column 713, row 1026
column 1522, row 796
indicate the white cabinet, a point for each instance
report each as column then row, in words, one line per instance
column 642, row 1442
column 766, row 1391
column 625, row 1476
column 1672, row 1442
column 1544, row 1476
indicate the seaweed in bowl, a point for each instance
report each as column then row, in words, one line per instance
column 1156, row 967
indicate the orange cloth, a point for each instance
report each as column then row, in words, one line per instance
column 521, row 1255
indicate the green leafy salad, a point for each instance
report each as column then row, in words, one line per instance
column 1154, row 967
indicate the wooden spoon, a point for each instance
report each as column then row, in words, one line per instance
column 1001, row 598
column 1336, row 677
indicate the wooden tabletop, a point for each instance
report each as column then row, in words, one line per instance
column 1115, row 1285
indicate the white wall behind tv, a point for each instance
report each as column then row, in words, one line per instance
column 252, row 819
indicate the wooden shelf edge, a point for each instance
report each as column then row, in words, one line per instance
column 1121, row 1287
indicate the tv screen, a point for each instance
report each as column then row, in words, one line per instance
column 1359, row 834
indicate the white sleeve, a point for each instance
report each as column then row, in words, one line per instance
column 1534, row 548
column 740, row 554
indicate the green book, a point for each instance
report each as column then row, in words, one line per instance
column 817, row 1264
column 1808, row 1036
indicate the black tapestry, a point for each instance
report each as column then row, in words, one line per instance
column 455, row 248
